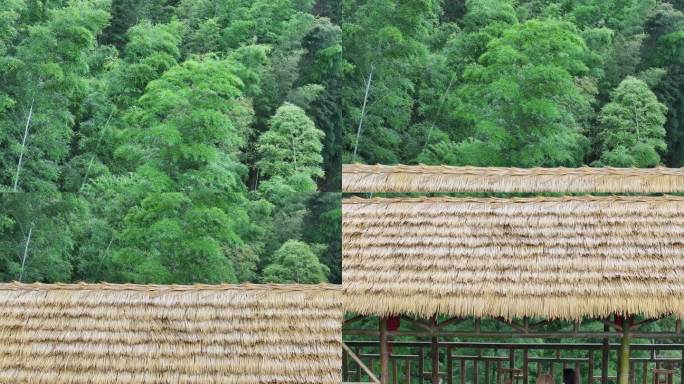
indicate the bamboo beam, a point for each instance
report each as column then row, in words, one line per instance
column 360, row 363
column 354, row 319
column 453, row 320
column 541, row 346
column 535, row 335
column 418, row 323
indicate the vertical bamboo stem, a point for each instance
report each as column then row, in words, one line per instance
column 604, row 357
column 624, row 352
column 435, row 360
column 526, row 367
column 384, row 352
column 681, row 366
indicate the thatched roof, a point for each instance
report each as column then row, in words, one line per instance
column 564, row 257
column 423, row 178
column 137, row 334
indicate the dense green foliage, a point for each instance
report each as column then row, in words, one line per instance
column 514, row 83
column 169, row 141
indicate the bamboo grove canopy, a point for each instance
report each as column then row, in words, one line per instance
column 423, row 178
column 134, row 334
column 550, row 257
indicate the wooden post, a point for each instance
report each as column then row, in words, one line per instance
column 644, row 379
column 421, row 365
column 395, row 372
column 681, row 365
column 450, row 368
column 435, row 353
column 605, row 356
column 577, row 372
column 463, row 371
column 511, row 363
column 384, row 352
column 623, row 377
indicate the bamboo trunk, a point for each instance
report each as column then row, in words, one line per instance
column 624, row 352
column 384, row 352
column 23, row 147
column 363, row 112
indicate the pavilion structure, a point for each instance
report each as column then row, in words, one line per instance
column 159, row 334
column 464, row 287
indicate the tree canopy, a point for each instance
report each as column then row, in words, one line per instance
column 168, row 142
column 504, row 83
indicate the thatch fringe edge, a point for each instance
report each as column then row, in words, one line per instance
column 557, row 307
column 422, row 178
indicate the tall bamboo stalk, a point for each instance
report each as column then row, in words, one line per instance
column 384, row 352
column 23, row 146
column 363, row 112
column 624, row 351
column 26, row 247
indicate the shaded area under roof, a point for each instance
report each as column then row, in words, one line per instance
column 566, row 257
column 424, row 178
column 102, row 333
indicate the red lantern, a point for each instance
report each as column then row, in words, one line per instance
column 392, row 323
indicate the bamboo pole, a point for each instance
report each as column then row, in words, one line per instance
column 363, row 112
column 623, row 377
column 26, row 246
column 23, row 146
column 360, row 365
column 435, row 354
column 384, row 352
column 604, row 356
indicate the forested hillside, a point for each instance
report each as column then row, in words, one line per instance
column 169, row 141
column 524, row 83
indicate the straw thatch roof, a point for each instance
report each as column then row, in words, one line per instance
column 137, row 334
column 423, row 178
column 564, row 257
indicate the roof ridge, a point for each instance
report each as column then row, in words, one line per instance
column 537, row 199
column 446, row 178
column 508, row 171
column 82, row 286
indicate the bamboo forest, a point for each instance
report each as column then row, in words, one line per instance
column 514, row 83
column 341, row 191
column 166, row 141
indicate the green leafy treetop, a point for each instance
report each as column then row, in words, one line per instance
column 291, row 148
column 632, row 132
column 150, row 51
column 45, row 81
column 184, row 139
column 521, row 103
column 295, row 262
column 171, row 239
column 182, row 123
